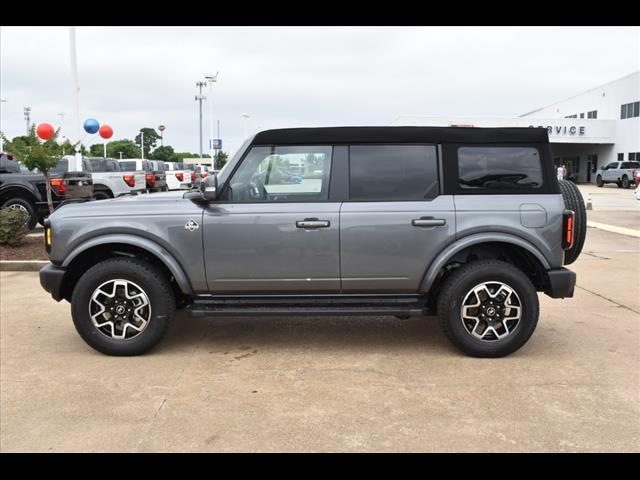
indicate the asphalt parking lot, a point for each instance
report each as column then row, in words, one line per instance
column 337, row 383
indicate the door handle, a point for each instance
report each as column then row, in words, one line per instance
column 313, row 223
column 428, row 222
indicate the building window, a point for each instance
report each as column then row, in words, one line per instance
column 630, row 110
column 634, row 156
column 592, row 114
column 593, row 161
column 582, row 115
column 620, row 157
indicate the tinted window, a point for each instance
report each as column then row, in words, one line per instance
column 499, row 167
column 393, row 172
column 112, row 166
column 62, row 166
column 631, row 165
column 128, row 166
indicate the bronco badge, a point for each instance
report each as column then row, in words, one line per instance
column 191, row 225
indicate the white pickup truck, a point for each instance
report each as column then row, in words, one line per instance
column 110, row 181
column 620, row 173
column 178, row 176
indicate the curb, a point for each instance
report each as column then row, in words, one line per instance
column 22, row 265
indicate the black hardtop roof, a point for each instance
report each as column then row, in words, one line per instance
column 338, row 135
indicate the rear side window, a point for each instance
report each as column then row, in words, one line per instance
column 128, row 166
column 393, row 172
column 498, row 168
column 112, row 166
column 9, row 165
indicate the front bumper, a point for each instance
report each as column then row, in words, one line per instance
column 561, row 283
column 51, row 278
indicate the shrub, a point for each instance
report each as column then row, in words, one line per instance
column 13, row 226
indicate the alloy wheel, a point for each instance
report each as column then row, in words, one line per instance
column 491, row 311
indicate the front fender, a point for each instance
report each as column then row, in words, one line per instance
column 448, row 252
column 152, row 247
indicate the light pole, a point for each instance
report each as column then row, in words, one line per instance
column 199, row 99
column 27, row 117
column 2, row 100
column 120, row 153
column 246, row 125
column 142, row 144
column 211, row 79
column 162, row 128
column 76, row 100
column 62, row 137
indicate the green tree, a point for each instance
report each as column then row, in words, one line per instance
column 96, row 150
column 165, row 154
column 151, row 137
column 126, row 146
column 34, row 153
column 221, row 160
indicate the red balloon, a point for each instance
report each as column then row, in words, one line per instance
column 45, row 131
column 106, row 131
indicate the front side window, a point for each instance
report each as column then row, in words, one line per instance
column 282, row 174
column 497, row 168
column 393, row 172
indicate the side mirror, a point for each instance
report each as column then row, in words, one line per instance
column 209, row 188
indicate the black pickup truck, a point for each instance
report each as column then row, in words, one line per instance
column 25, row 190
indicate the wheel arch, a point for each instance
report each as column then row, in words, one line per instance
column 22, row 191
column 519, row 251
column 93, row 251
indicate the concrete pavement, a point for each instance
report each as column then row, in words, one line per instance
column 331, row 384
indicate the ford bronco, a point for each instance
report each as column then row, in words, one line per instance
column 464, row 223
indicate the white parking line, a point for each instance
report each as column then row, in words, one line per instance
column 612, row 228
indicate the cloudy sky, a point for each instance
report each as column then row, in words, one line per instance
column 133, row 77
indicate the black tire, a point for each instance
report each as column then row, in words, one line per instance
column 599, row 181
column 461, row 282
column 154, row 284
column 27, row 207
column 625, row 182
column 573, row 201
column 101, row 195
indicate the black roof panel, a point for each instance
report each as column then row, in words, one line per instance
column 338, row 135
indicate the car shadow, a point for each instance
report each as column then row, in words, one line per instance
column 331, row 333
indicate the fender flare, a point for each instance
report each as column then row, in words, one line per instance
column 450, row 250
column 27, row 188
column 150, row 246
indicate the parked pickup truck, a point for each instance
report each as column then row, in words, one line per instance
column 468, row 224
column 26, row 191
column 110, row 181
column 178, row 177
column 620, row 173
column 156, row 179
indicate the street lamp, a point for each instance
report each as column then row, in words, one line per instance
column 199, row 99
column 162, row 128
column 246, row 125
column 211, row 79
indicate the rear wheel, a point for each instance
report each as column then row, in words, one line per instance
column 25, row 206
column 122, row 306
column 573, row 201
column 599, row 181
column 101, row 195
column 625, row 182
column 488, row 308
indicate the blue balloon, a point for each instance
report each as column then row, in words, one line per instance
column 91, row 125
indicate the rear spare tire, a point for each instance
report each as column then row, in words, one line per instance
column 573, row 201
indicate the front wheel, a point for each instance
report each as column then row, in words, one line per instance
column 26, row 207
column 599, row 181
column 122, row 306
column 488, row 308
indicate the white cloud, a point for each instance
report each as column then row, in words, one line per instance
column 301, row 76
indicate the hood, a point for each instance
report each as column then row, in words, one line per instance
column 146, row 203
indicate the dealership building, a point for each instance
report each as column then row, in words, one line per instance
column 586, row 131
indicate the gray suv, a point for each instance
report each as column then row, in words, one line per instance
column 464, row 223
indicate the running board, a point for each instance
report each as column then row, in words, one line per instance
column 308, row 305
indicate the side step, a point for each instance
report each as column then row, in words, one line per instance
column 212, row 306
